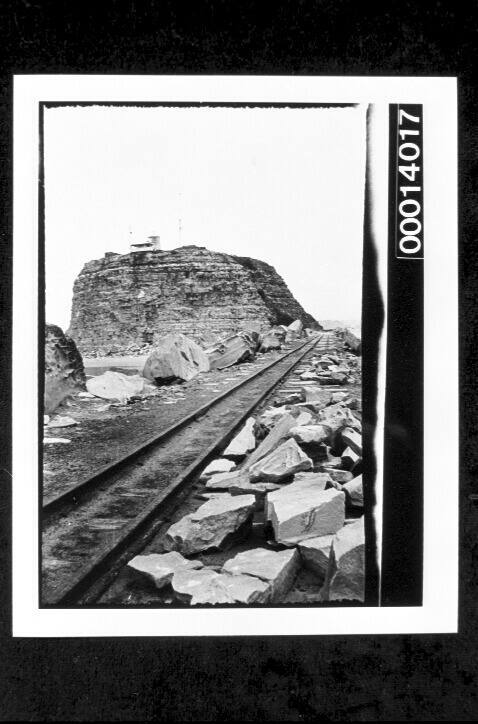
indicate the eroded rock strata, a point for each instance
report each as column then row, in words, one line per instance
column 124, row 303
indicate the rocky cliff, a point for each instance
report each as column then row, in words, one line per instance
column 122, row 303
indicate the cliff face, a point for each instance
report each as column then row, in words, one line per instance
column 124, row 302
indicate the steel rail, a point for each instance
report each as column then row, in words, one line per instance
column 100, row 571
column 73, row 494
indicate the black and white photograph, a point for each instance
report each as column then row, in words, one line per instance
column 231, row 333
column 203, row 402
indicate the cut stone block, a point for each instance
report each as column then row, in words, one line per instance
column 278, row 569
column 353, row 439
column 260, row 490
column 277, row 434
column 346, row 571
column 315, row 553
column 205, row 586
column 221, row 465
column 306, row 434
column 340, row 476
column 212, row 525
column 304, row 418
column 282, row 462
column 305, row 514
column 161, row 567
column 317, row 480
column 350, row 458
column 243, row 443
column 354, row 492
column 222, row 481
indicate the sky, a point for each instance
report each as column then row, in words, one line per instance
column 282, row 185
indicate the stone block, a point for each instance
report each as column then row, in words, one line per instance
column 213, row 525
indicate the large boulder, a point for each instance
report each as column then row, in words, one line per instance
column 346, row 570
column 281, row 463
column 64, row 371
column 272, row 339
column 278, row 569
column 294, row 330
column 233, row 349
column 307, row 513
column 116, row 386
column 213, row 525
column 175, row 357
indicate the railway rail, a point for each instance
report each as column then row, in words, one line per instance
column 91, row 530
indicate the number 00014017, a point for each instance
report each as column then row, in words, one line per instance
column 409, row 208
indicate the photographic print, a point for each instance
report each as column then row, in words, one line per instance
column 230, row 412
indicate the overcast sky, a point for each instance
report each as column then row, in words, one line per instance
column 282, row 185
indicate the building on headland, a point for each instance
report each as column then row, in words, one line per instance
column 152, row 243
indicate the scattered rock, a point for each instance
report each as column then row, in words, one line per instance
column 161, row 567
column 222, row 481
column 298, row 515
column 304, row 418
column 243, row 443
column 54, row 440
column 115, row 386
column 353, row 439
column 318, row 480
column 206, row 586
column 350, row 458
column 175, row 357
column 86, row 395
column 307, row 434
column 321, row 398
column 346, row 571
column 340, row 476
column 62, row 422
column 259, row 489
column 315, row 553
column 221, row 465
column 278, row 433
column 281, row 463
column 354, row 491
column 338, row 397
column 292, row 399
column 212, row 525
column 278, row 569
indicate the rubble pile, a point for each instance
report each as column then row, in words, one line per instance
column 288, row 491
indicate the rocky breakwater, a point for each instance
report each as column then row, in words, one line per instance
column 288, row 491
column 126, row 303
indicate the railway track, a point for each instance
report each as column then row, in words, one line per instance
column 90, row 531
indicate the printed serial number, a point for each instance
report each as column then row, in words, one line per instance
column 410, row 194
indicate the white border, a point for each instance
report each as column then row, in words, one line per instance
column 439, row 610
